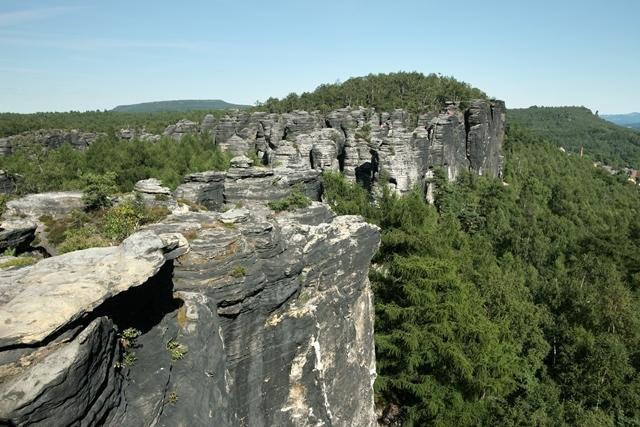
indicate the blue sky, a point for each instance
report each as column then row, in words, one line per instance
column 86, row 54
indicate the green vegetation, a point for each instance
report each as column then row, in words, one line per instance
column 103, row 227
column 97, row 189
column 631, row 120
column 179, row 105
column 128, row 340
column 68, row 169
column 97, row 121
column 508, row 305
column 176, row 350
column 384, row 92
column 576, row 127
column 172, row 398
column 239, row 271
column 295, row 200
column 18, row 262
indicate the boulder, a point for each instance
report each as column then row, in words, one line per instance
column 8, row 182
column 16, row 233
column 55, row 292
column 58, row 203
column 203, row 188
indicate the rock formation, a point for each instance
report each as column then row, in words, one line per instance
column 8, row 182
column 270, row 315
column 49, row 138
column 364, row 144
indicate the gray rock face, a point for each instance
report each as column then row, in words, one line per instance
column 180, row 129
column 16, row 233
column 153, row 193
column 8, row 182
column 363, row 143
column 50, row 138
column 265, row 184
column 75, row 283
column 203, row 188
column 34, row 206
column 272, row 316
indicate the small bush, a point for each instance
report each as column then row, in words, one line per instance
column 82, row 238
column 122, row 220
column 176, row 350
column 239, row 271
column 172, row 398
column 97, row 189
column 295, row 200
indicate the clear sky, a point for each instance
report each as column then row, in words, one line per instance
column 88, row 54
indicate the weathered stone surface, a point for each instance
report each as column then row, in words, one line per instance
column 153, row 193
column 50, row 138
column 485, row 132
column 180, row 129
column 56, row 291
column 203, row 188
column 64, row 383
column 273, row 312
column 16, row 233
column 8, row 182
column 296, row 324
column 265, row 184
column 36, row 205
column 151, row 186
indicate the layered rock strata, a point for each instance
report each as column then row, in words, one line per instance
column 271, row 316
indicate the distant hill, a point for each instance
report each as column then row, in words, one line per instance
column 575, row 127
column 178, row 105
column 631, row 120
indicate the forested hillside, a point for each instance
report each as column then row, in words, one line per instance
column 631, row 120
column 385, row 92
column 96, row 121
column 178, row 105
column 576, row 127
column 508, row 304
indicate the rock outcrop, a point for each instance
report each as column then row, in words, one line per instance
column 49, row 138
column 365, row 144
column 16, row 233
column 54, row 204
column 8, row 182
column 58, row 343
column 267, row 320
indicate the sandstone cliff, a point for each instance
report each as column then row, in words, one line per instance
column 260, row 319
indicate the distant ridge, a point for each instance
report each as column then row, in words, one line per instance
column 630, row 120
column 577, row 128
column 178, row 105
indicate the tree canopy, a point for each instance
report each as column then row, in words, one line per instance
column 384, row 92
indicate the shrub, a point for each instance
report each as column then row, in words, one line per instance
column 97, row 189
column 81, row 238
column 122, row 220
column 176, row 350
column 239, row 271
column 293, row 201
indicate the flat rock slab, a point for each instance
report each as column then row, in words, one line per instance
column 39, row 300
column 53, row 203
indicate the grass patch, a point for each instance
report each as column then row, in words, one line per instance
column 239, row 271
column 18, row 262
column 295, row 200
column 105, row 227
column 176, row 350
